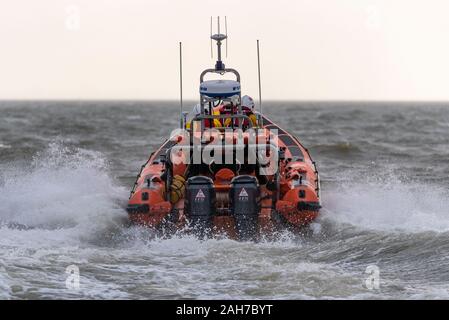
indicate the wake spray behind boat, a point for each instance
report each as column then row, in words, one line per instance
column 228, row 169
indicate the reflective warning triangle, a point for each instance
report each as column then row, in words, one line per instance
column 200, row 194
column 243, row 193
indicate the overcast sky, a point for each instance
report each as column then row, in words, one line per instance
column 310, row 49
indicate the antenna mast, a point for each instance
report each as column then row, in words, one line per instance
column 258, row 71
column 180, row 81
column 219, row 65
column 226, row 34
column 211, row 50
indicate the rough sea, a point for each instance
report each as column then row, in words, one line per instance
column 66, row 169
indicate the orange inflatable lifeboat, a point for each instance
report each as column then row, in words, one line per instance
column 235, row 173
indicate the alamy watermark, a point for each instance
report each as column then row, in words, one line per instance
column 372, row 282
column 72, row 282
column 72, row 20
column 373, row 20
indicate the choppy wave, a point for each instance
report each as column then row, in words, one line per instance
column 336, row 148
column 61, row 189
column 390, row 205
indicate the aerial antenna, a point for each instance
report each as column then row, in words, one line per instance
column 211, row 50
column 226, row 34
column 218, row 24
column 258, row 71
column 180, row 81
column 219, row 38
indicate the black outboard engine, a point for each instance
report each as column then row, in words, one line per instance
column 245, row 206
column 200, row 204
